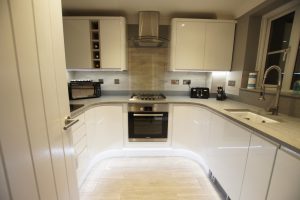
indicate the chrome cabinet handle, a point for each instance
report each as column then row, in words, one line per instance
column 148, row 115
column 70, row 122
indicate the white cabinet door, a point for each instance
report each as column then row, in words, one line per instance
column 258, row 171
column 104, row 128
column 77, row 43
column 219, row 38
column 113, row 43
column 216, row 132
column 79, row 142
column 227, row 156
column 200, row 44
column 285, row 181
column 90, row 122
column 187, row 44
column 190, row 128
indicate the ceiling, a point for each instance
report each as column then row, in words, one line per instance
column 225, row 9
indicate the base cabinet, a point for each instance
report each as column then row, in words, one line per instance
column 227, row 154
column 247, row 165
column 79, row 142
column 258, row 170
column 190, row 128
column 285, row 182
column 104, row 128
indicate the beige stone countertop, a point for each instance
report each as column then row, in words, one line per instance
column 286, row 133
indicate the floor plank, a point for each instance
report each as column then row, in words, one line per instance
column 148, row 178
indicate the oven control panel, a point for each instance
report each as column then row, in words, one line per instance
column 138, row 107
column 146, row 108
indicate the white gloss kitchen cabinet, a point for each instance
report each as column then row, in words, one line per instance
column 79, row 142
column 285, row 182
column 104, row 125
column 95, row 43
column 201, row 44
column 227, row 153
column 190, row 128
column 261, row 157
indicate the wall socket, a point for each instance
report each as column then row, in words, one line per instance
column 186, row 82
column 117, row 81
column 174, row 82
column 231, row 83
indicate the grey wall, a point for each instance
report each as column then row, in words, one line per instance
column 245, row 55
column 247, row 38
column 288, row 104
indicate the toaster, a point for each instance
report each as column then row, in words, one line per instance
column 200, row 92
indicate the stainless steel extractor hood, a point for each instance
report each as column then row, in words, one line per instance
column 148, row 30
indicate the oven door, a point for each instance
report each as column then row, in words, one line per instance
column 148, row 125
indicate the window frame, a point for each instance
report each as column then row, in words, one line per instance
column 267, row 19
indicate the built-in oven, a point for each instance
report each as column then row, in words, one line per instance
column 147, row 122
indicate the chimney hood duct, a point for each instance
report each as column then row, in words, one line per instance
column 149, row 30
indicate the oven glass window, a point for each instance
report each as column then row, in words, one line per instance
column 148, row 125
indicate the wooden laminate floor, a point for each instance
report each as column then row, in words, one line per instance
column 148, row 178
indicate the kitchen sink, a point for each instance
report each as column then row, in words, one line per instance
column 251, row 116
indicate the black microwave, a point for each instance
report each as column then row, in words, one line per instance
column 84, row 89
column 200, row 92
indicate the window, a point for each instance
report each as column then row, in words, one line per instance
column 280, row 33
column 279, row 45
column 296, row 74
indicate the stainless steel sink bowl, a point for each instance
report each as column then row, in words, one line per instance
column 251, row 116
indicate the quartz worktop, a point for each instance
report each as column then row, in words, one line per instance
column 286, row 132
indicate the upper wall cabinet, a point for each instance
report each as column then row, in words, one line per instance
column 201, row 45
column 95, row 43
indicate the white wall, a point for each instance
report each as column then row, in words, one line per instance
column 237, row 77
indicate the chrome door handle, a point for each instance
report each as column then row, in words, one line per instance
column 70, row 122
column 148, row 115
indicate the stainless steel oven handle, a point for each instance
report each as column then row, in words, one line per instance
column 148, row 115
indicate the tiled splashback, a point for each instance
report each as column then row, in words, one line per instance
column 197, row 79
column 147, row 71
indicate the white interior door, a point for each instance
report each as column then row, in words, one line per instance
column 36, row 160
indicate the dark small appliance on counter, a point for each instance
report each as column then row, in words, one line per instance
column 221, row 96
column 84, row 89
column 200, row 92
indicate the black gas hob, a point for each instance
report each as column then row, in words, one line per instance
column 148, row 96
